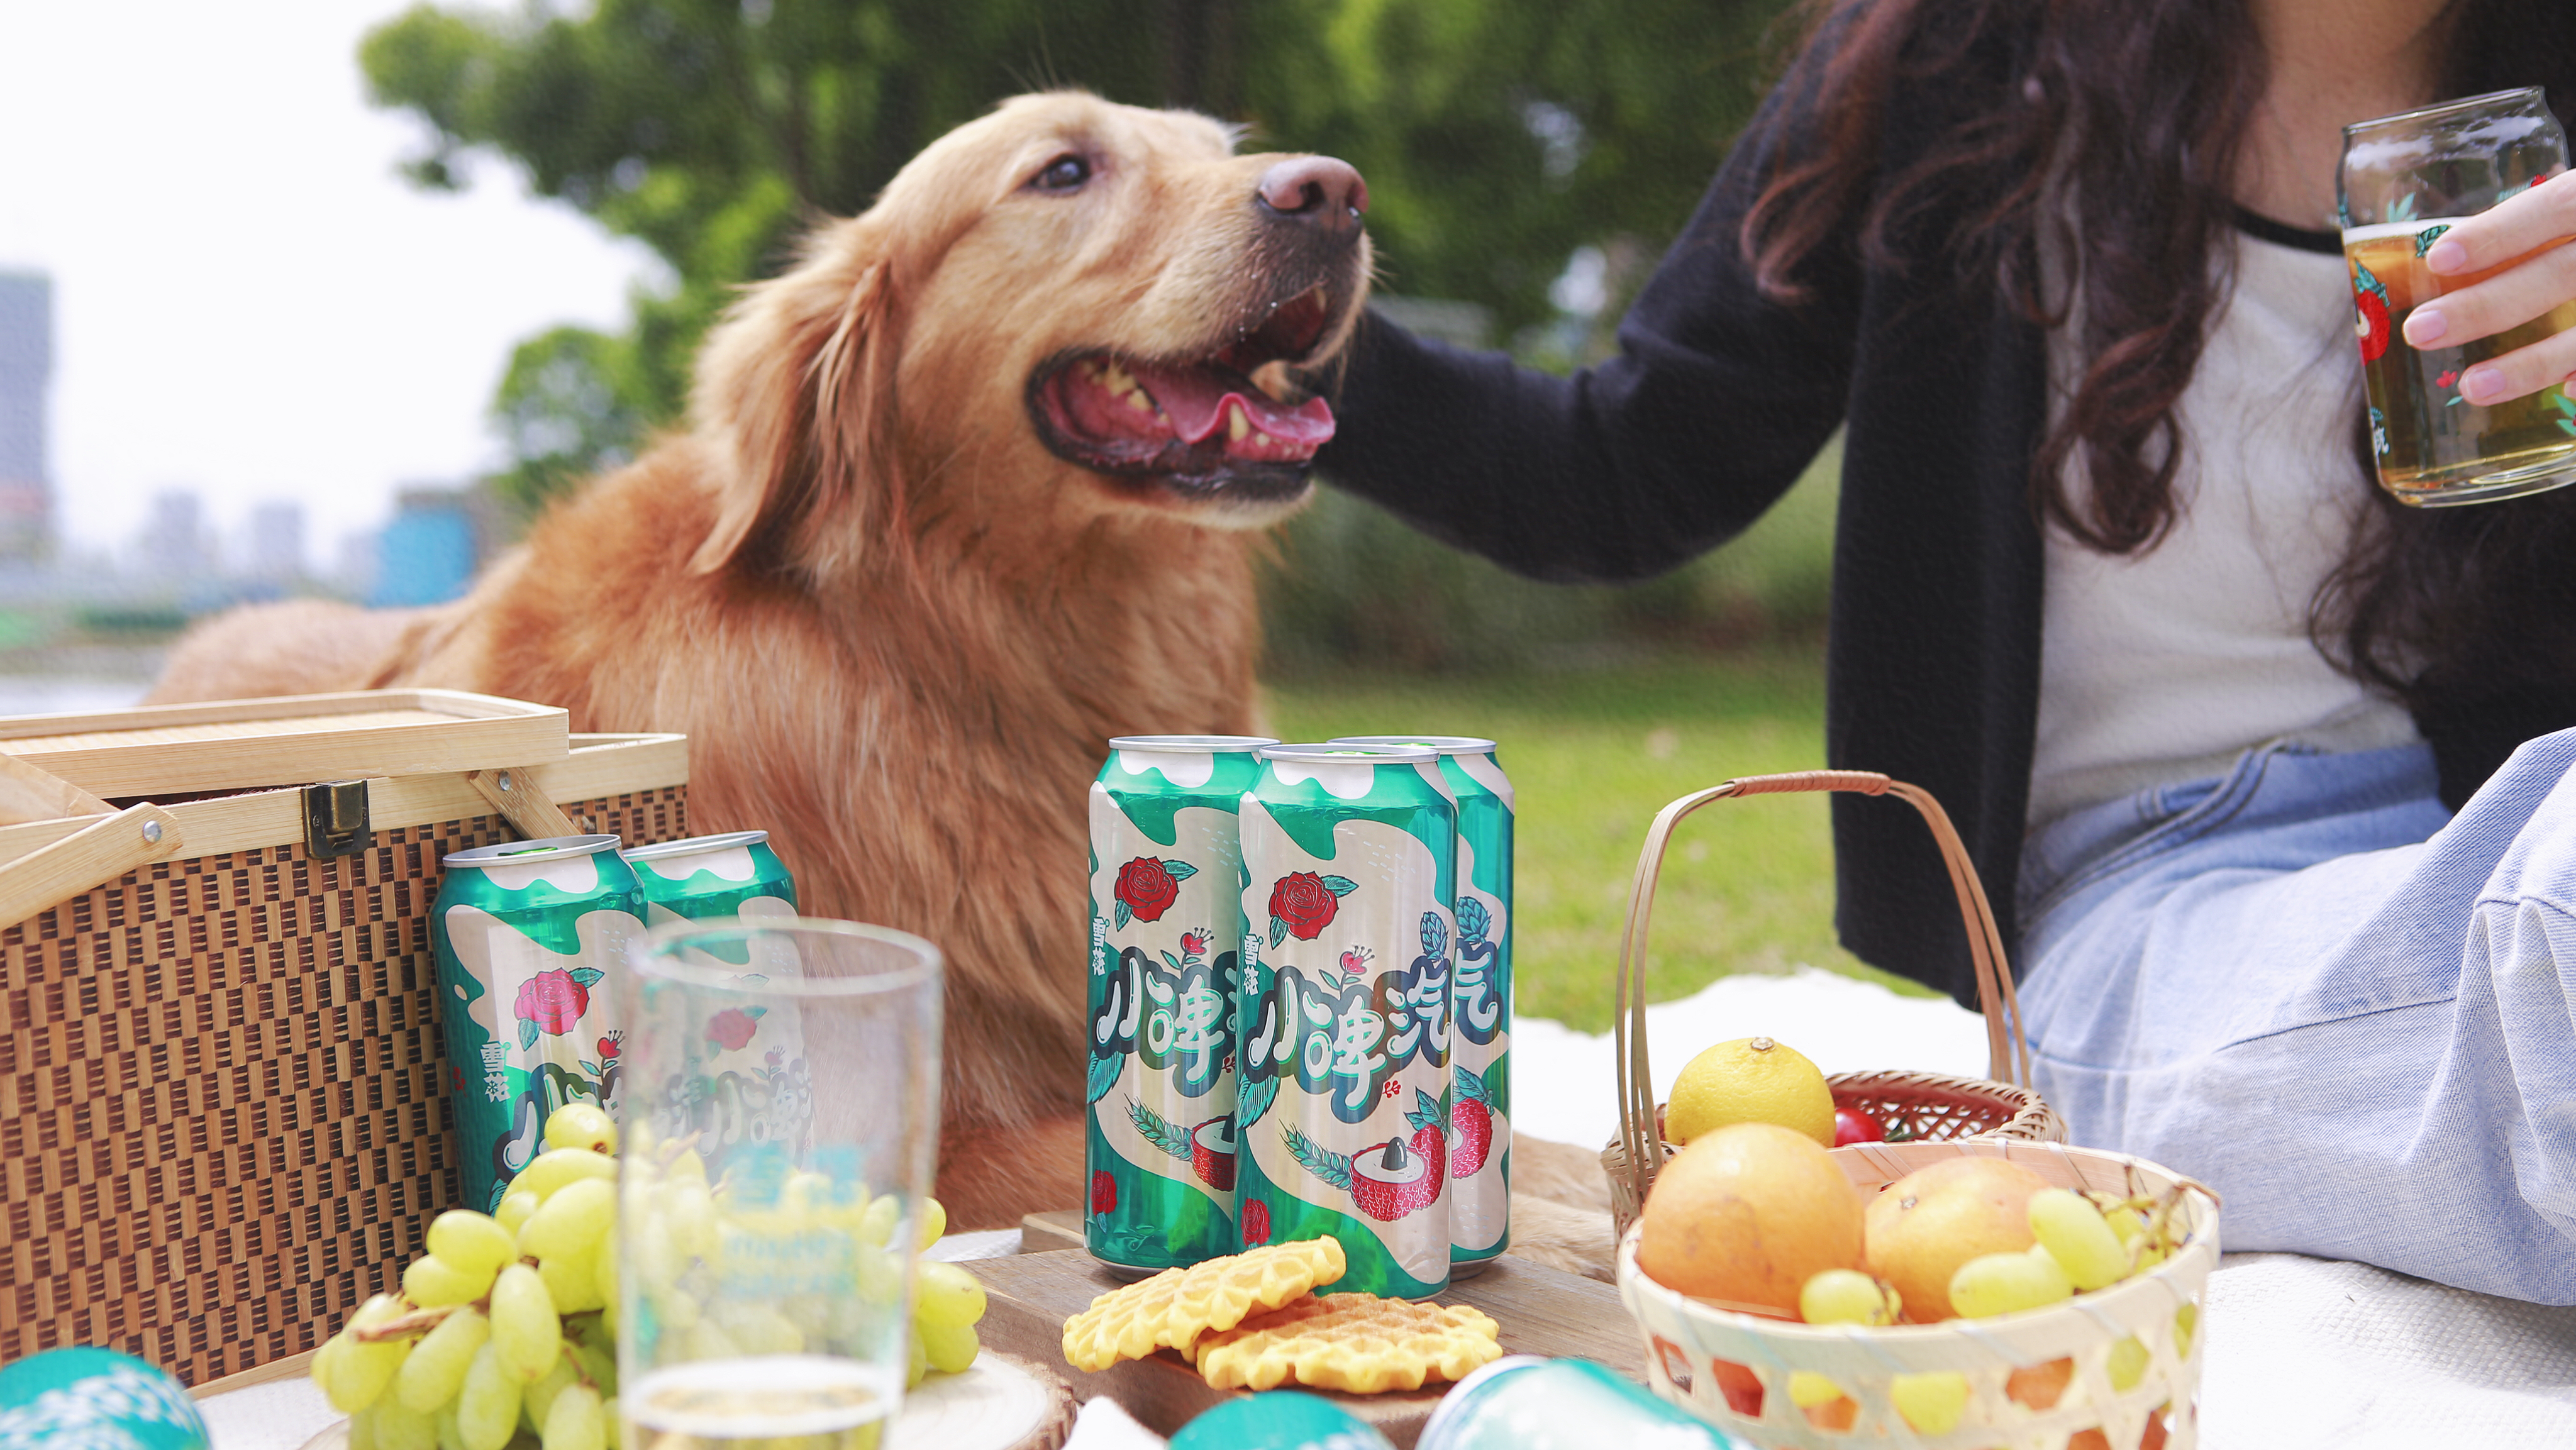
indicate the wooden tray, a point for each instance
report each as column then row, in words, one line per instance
column 289, row 740
column 1541, row 1311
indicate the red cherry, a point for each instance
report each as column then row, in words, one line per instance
column 2370, row 324
column 1851, row 1125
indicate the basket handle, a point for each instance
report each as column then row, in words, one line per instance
column 2008, row 1052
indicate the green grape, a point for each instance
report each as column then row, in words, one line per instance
column 1808, row 1389
column 608, row 1316
column 2075, row 1235
column 433, row 1283
column 679, row 1310
column 358, row 1372
column 575, row 1421
column 934, row 1222
column 487, row 1404
column 805, row 1193
column 471, row 1242
column 512, row 1215
column 947, row 1295
column 2128, row 1363
column 598, row 1365
column 580, row 1125
column 603, row 1267
column 2007, row 1283
column 526, row 1335
column 361, row 1431
column 449, row 1437
column 569, row 1284
column 2186, row 1320
column 948, row 1350
column 556, row 1167
column 539, row 1396
column 879, row 1277
column 1933, row 1402
column 689, row 1216
column 708, row 1340
column 609, row 1421
column 688, row 1167
column 877, row 1228
column 400, row 1427
column 571, row 1221
column 437, row 1364
column 920, row 1369
column 1847, row 1296
column 759, row 1329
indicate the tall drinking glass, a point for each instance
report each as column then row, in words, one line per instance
column 2405, row 180
column 781, row 1118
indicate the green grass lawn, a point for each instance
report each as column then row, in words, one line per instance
column 1593, row 755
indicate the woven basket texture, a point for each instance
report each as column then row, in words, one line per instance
column 223, row 1095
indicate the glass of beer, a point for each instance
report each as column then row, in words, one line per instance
column 781, row 1115
column 2405, row 180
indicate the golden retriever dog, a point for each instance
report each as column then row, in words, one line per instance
column 967, row 491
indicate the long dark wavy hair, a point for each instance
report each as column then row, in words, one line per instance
column 2144, row 106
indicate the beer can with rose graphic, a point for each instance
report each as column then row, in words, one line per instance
column 704, row 877
column 1480, row 1122
column 526, row 935
column 1166, row 930
column 1350, row 855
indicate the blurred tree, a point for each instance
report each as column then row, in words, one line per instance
column 1498, row 136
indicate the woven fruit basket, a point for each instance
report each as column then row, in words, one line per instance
column 1917, row 1107
column 2064, row 1377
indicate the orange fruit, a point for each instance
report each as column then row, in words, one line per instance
column 1750, row 1080
column 1747, row 1214
column 1922, row 1227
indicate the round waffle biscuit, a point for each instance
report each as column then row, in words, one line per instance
column 1176, row 1306
column 1355, row 1342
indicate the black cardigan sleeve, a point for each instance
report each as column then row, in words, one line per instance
column 1716, row 401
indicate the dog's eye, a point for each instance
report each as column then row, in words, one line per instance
column 1065, row 173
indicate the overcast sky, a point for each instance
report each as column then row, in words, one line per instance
column 248, row 300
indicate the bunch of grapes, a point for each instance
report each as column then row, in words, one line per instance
column 504, row 1336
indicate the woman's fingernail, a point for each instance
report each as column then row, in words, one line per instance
column 2447, row 256
column 2482, row 386
column 2426, row 327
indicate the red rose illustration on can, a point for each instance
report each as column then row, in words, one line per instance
column 552, row 1002
column 1256, row 1223
column 1303, row 903
column 1147, row 888
column 2370, row 313
column 732, row 1028
column 1104, row 1192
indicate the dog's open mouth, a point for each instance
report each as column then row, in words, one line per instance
column 1199, row 424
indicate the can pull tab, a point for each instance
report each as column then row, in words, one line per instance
column 335, row 819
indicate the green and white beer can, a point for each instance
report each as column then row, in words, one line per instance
column 1480, row 1103
column 1166, row 933
column 1350, row 853
column 704, row 877
column 526, row 934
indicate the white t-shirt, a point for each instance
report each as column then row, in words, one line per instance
column 2165, row 666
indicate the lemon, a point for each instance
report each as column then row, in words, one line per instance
column 1750, row 1080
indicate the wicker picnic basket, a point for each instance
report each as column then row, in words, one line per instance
column 1915, row 1106
column 223, row 1086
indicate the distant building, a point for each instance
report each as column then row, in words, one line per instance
column 429, row 553
column 26, row 367
column 276, row 554
column 173, row 548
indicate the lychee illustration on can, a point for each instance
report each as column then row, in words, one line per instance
column 1160, row 1150
column 1480, row 1124
column 1343, row 1106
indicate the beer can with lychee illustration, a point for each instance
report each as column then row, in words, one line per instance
column 1480, row 1096
column 527, row 935
column 1166, row 930
column 1350, row 855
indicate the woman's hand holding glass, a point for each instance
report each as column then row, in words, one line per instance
column 2521, row 241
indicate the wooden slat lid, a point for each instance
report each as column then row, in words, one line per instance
column 288, row 740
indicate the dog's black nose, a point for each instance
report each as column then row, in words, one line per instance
column 1321, row 190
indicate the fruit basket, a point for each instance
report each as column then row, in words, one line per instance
column 2114, row 1369
column 1927, row 1107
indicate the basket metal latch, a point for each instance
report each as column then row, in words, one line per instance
column 335, row 819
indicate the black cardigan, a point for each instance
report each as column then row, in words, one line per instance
column 1714, row 405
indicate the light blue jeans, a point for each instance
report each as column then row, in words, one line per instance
column 2353, row 1014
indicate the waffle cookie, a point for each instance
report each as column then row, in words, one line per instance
column 1176, row 1306
column 1355, row 1342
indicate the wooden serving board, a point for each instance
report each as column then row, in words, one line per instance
column 1540, row 1310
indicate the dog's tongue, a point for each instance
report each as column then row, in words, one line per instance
column 1198, row 401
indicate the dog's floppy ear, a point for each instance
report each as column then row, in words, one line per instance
column 794, row 388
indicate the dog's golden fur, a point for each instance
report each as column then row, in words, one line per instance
column 895, row 624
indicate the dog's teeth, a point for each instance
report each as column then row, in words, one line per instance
column 1237, row 427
